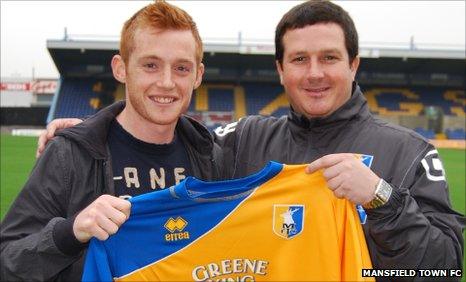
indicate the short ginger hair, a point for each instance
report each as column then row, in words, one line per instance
column 160, row 15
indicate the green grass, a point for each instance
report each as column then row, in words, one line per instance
column 18, row 156
column 454, row 161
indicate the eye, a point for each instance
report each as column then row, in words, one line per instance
column 183, row 69
column 150, row 66
column 329, row 58
column 299, row 59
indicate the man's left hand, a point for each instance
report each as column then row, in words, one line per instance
column 347, row 177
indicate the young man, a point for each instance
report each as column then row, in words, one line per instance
column 410, row 223
column 126, row 149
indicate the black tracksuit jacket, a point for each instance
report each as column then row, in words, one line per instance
column 37, row 241
column 417, row 228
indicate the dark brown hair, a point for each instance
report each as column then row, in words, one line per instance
column 313, row 12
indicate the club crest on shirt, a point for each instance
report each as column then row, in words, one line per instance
column 288, row 220
column 365, row 159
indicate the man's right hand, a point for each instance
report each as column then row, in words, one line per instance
column 101, row 218
column 49, row 132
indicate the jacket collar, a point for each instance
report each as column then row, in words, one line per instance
column 356, row 106
column 92, row 133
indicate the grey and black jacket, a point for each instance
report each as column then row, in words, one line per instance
column 37, row 241
column 417, row 228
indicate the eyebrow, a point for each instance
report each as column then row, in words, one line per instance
column 298, row 53
column 330, row 50
column 153, row 57
column 184, row 61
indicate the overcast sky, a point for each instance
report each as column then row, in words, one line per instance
column 26, row 25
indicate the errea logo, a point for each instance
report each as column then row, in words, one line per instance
column 173, row 225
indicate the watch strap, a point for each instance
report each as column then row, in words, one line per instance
column 382, row 194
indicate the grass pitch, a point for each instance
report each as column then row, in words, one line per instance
column 18, row 157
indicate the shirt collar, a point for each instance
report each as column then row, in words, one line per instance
column 355, row 106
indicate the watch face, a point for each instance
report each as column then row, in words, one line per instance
column 385, row 191
column 382, row 195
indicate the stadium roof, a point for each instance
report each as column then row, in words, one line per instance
column 254, row 61
column 261, row 47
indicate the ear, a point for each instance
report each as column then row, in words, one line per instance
column 119, row 68
column 199, row 75
column 280, row 70
column 354, row 66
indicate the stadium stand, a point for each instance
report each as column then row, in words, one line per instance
column 245, row 99
column 75, row 99
column 81, row 97
column 427, row 133
column 419, row 90
column 221, row 99
column 446, row 99
column 402, row 101
column 260, row 95
column 219, row 104
column 455, row 134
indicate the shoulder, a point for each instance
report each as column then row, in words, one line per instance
column 258, row 119
column 385, row 130
column 188, row 125
column 195, row 134
column 262, row 123
column 252, row 125
column 66, row 153
column 398, row 149
column 57, row 145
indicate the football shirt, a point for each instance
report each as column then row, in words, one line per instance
column 278, row 224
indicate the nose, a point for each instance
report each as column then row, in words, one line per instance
column 165, row 80
column 315, row 70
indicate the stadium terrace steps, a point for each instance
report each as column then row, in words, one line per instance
column 455, row 134
column 76, row 99
column 401, row 101
column 82, row 97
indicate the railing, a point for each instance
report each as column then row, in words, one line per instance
column 266, row 43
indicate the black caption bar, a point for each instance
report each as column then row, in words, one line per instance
column 411, row 272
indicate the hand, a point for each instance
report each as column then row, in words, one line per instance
column 53, row 126
column 347, row 177
column 101, row 218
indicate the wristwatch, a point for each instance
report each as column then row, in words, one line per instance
column 381, row 195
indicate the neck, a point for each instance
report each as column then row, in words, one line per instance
column 144, row 129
